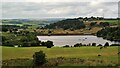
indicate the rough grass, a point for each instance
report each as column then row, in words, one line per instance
column 78, row 31
column 110, row 21
column 59, row 62
column 62, row 57
column 109, row 53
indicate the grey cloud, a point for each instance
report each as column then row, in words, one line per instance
column 56, row 9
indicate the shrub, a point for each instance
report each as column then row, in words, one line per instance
column 115, row 45
column 66, row 46
column 42, row 43
column 49, row 44
column 93, row 44
column 93, row 23
column 77, row 45
column 106, row 44
column 39, row 58
column 104, row 24
column 100, row 45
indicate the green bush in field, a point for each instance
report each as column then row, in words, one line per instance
column 39, row 58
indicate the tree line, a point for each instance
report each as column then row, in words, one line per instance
column 26, row 40
column 92, row 44
column 110, row 33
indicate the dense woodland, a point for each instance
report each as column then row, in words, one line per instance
column 22, row 39
column 67, row 24
column 14, row 35
column 112, row 34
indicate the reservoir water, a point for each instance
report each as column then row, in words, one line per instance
column 73, row 39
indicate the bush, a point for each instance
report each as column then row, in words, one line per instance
column 93, row 44
column 106, row 44
column 104, row 24
column 77, row 45
column 66, row 46
column 93, row 23
column 42, row 43
column 49, row 44
column 39, row 58
column 115, row 45
column 100, row 45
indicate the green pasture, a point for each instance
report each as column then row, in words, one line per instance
column 88, row 52
column 110, row 21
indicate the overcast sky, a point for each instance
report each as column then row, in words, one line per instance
column 58, row 8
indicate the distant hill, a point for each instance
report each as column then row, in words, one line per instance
column 67, row 24
column 44, row 21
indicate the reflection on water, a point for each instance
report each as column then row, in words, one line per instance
column 71, row 40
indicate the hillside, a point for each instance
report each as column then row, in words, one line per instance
column 33, row 22
column 67, row 24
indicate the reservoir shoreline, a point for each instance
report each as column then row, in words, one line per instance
column 62, row 40
column 64, row 34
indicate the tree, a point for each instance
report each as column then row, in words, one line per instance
column 93, row 23
column 93, row 44
column 100, row 45
column 4, row 29
column 3, row 38
column 39, row 58
column 35, row 43
column 115, row 45
column 110, row 33
column 66, row 46
column 42, row 43
column 104, row 24
column 85, row 19
column 77, row 45
column 49, row 44
column 49, row 32
column 106, row 44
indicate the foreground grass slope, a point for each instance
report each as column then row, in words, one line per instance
column 109, row 53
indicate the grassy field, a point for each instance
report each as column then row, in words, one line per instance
column 110, row 21
column 77, row 31
column 79, row 56
column 109, row 53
